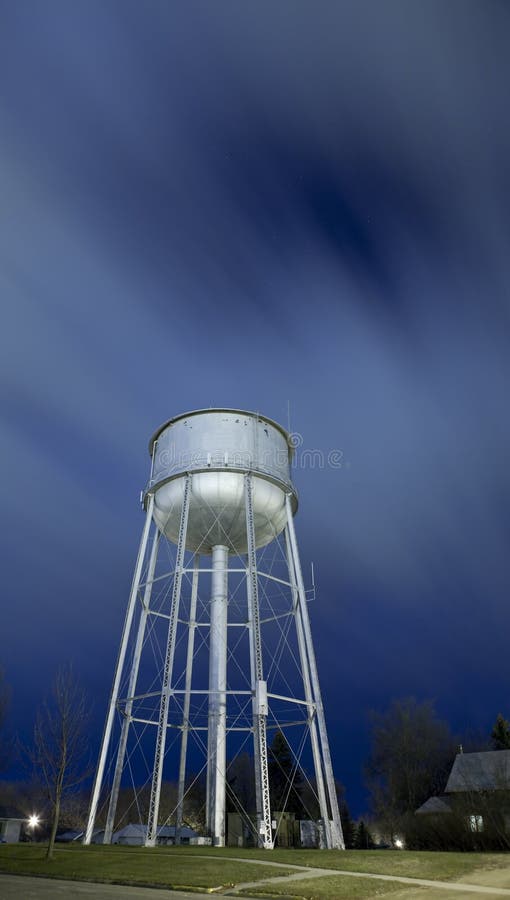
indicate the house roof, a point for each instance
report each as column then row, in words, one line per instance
column 434, row 805
column 131, row 830
column 138, row 830
column 11, row 812
column 69, row 836
column 488, row 771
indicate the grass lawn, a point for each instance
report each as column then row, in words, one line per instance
column 341, row 888
column 412, row 864
column 205, row 868
column 173, row 868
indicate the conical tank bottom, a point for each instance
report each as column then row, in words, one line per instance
column 217, row 511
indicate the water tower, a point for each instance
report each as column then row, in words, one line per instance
column 216, row 649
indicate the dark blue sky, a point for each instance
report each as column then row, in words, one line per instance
column 236, row 204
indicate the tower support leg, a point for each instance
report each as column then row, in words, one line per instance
column 187, row 699
column 312, row 722
column 98, row 782
column 333, row 840
column 152, row 825
column 121, row 753
column 216, row 759
column 258, row 686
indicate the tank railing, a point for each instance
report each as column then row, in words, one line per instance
column 168, row 463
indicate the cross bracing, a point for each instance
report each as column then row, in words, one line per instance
column 163, row 696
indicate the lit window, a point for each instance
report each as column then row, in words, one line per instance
column 476, row 823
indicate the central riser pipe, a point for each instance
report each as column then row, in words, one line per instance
column 216, row 763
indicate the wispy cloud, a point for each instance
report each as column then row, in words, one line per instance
column 208, row 205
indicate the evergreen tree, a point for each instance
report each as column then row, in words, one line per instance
column 348, row 826
column 500, row 736
column 241, row 784
column 363, row 838
column 285, row 778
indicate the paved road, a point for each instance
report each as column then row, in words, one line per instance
column 22, row 887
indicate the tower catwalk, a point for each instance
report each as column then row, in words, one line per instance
column 216, row 655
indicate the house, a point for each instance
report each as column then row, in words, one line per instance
column 68, row 837
column 475, row 806
column 11, row 822
column 135, row 834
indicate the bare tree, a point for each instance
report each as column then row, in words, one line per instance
column 5, row 743
column 60, row 741
column 412, row 754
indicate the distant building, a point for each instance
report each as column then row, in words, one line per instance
column 67, row 837
column 435, row 806
column 11, row 823
column 477, row 795
column 135, row 835
column 487, row 771
column 288, row 831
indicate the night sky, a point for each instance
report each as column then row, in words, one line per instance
column 270, row 206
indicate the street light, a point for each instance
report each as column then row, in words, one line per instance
column 33, row 823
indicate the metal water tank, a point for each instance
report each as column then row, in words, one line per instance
column 219, row 446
